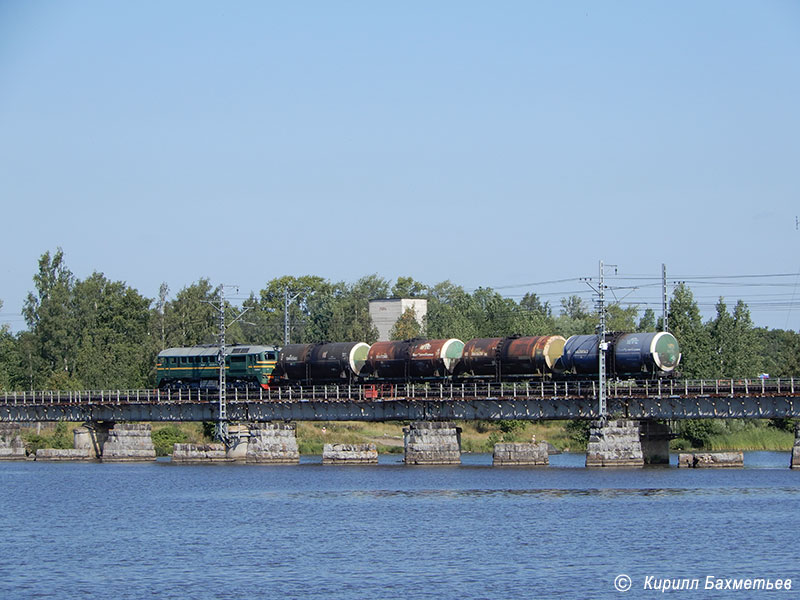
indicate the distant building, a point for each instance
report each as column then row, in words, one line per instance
column 385, row 312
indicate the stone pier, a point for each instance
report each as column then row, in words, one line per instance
column 796, row 449
column 239, row 441
column 521, row 454
column 199, row 454
column 11, row 445
column 614, row 444
column 711, row 460
column 432, row 443
column 350, row 454
column 59, row 455
column 129, row 442
column 91, row 438
column 273, row 443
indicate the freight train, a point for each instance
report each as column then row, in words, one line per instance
column 631, row 355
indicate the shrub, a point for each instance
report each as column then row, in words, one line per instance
column 164, row 439
column 511, row 425
column 578, row 432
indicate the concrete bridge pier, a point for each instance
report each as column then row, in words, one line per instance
column 432, row 443
column 129, row 442
column 614, row 444
column 520, row 454
column 91, row 437
column 796, row 448
column 240, row 435
column 11, row 445
column 350, row 454
column 272, row 443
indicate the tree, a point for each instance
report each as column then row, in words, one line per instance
column 190, row 318
column 732, row 342
column 115, row 349
column 6, row 356
column 530, row 302
column 407, row 287
column 406, row 327
column 49, row 314
column 575, row 318
column 687, row 326
column 648, row 321
column 621, row 319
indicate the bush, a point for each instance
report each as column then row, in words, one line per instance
column 511, row 426
column 578, row 432
column 783, row 424
column 698, row 432
column 61, row 438
column 164, row 439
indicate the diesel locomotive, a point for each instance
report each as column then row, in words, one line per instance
column 629, row 355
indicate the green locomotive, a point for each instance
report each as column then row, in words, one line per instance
column 246, row 366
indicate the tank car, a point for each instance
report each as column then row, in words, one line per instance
column 337, row 362
column 629, row 354
column 515, row 356
column 413, row 359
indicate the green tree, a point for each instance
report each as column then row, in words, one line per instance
column 50, row 315
column 531, row 303
column 621, row 319
column 407, row 287
column 7, row 356
column 191, row 318
column 648, row 321
column 575, row 318
column 406, row 327
column 687, row 326
column 115, row 349
column 732, row 342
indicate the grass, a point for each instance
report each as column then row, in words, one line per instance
column 766, row 438
column 476, row 436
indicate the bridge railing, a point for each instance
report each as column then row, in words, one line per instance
column 684, row 388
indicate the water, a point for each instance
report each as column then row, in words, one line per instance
column 391, row 531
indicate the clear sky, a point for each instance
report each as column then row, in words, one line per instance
column 488, row 143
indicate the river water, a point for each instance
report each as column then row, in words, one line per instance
column 389, row 531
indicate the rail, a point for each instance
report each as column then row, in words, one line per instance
column 676, row 389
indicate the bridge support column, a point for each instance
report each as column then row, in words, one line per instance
column 350, row 454
column 654, row 438
column 432, row 443
column 796, row 449
column 273, row 443
column 614, row 444
column 91, row 437
column 129, row 442
column 241, row 441
column 11, row 445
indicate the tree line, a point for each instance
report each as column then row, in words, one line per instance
column 96, row 333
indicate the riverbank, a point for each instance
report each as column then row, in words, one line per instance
column 476, row 436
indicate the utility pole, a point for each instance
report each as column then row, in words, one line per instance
column 664, row 302
column 602, row 344
column 221, row 428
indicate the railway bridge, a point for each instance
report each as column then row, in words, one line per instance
column 634, row 409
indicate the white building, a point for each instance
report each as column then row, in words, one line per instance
column 385, row 312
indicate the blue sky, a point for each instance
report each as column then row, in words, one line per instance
column 491, row 144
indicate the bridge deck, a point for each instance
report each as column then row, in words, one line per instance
column 676, row 399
